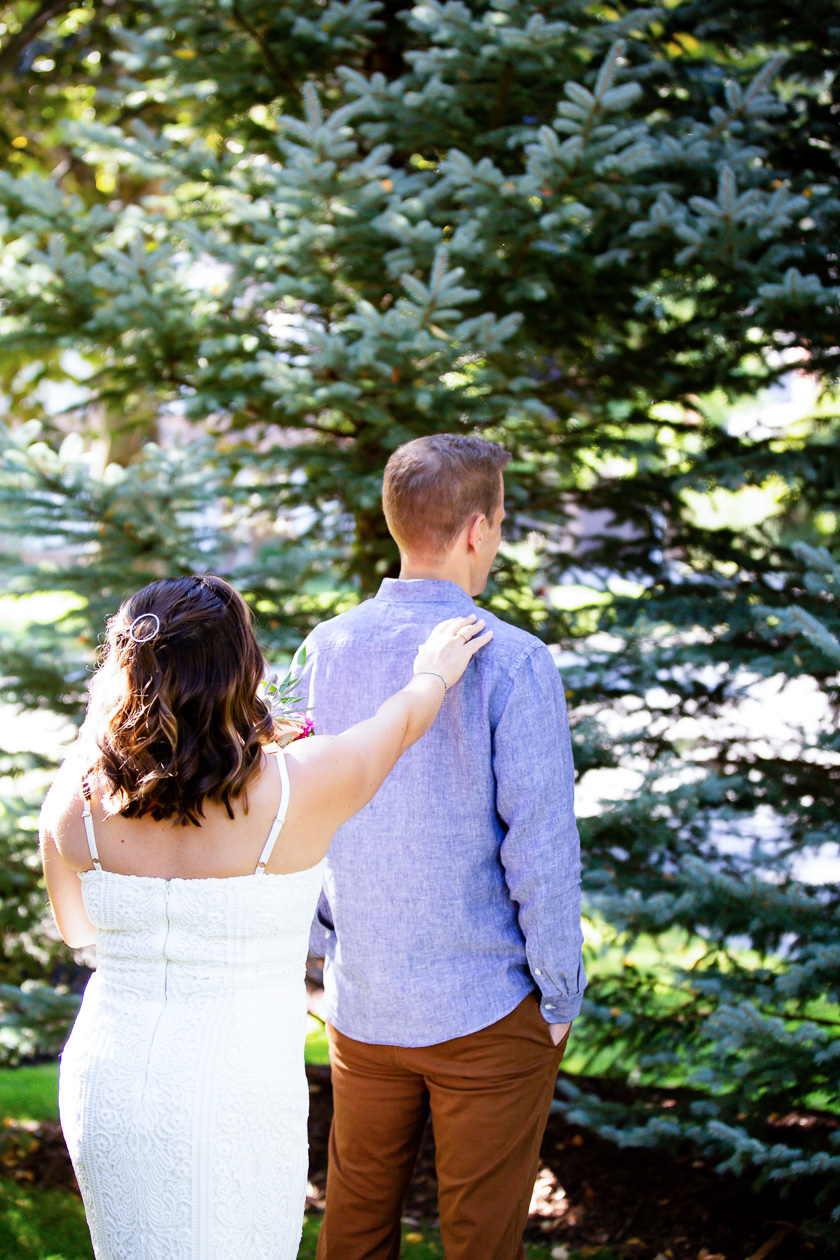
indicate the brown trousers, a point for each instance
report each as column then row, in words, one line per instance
column 488, row 1093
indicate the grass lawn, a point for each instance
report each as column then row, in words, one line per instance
column 317, row 1047
column 29, row 1093
column 42, row 1224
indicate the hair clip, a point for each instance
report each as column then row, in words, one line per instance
column 146, row 637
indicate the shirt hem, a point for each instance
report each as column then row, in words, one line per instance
column 472, row 1027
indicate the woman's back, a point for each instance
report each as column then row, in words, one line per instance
column 222, row 847
column 183, row 1095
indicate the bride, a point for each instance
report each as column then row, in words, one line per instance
column 192, row 854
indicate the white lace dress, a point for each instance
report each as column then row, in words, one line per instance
column 182, row 1092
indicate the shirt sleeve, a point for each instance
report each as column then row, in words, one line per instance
column 532, row 763
column 322, row 924
column 322, row 928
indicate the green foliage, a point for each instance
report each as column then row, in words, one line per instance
column 754, row 1038
column 253, row 248
column 31, row 993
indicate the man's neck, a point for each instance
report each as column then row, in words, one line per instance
column 448, row 570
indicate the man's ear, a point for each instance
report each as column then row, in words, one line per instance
column 476, row 533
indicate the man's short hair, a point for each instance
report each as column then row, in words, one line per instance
column 434, row 485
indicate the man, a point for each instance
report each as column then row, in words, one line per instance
column 450, row 916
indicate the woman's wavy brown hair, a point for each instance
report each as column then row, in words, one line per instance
column 174, row 716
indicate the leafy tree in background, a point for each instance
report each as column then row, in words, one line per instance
column 294, row 237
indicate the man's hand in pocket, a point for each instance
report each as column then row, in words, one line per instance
column 558, row 1032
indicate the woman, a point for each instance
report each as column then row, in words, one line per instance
column 192, row 855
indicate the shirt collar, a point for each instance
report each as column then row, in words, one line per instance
column 425, row 591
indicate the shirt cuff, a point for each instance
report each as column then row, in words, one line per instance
column 318, row 936
column 560, row 1010
column 321, row 929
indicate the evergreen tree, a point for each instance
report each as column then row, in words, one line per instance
column 297, row 237
column 741, row 1044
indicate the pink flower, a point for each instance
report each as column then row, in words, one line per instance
column 291, row 727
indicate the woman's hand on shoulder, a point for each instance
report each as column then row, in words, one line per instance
column 450, row 647
column 337, row 775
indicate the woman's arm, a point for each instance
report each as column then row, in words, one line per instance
column 65, row 893
column 60, row 820
column 336, row 776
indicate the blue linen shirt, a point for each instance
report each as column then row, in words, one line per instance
column 456, row 890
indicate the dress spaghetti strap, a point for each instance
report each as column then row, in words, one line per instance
column 279, row 818
column 88, row 821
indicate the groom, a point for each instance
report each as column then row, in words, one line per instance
column 450, row 916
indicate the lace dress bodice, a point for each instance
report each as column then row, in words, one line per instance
column 182, row 938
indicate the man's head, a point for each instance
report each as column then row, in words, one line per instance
column 443, row 497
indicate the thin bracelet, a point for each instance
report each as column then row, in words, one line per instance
column 434, row 674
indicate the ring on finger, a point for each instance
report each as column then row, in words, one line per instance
column 460, row 635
